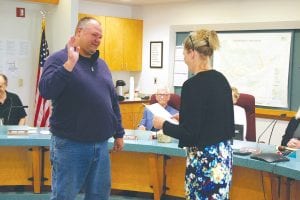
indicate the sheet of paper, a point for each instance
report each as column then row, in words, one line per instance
column 158, row 110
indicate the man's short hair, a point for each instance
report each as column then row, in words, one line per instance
column 5, row 78
column 84, row 21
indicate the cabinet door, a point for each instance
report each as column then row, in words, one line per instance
column 114, row 43
column 127, row 116
column 101, row 19
column 132, row 44
column 132, row 114
column 138, row 110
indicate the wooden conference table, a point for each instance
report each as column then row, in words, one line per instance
column 145, row 165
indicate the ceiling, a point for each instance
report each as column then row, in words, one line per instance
column 140, row 2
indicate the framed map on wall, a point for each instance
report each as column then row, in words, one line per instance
column 257, row 63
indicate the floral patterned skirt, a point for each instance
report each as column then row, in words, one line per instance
column 209, row 172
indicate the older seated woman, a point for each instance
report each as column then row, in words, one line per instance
column 239, row 112
column 162, row 97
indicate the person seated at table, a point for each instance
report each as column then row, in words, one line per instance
column 11, row 110
column 239, row 112
column 162, row 96
column 291, row 138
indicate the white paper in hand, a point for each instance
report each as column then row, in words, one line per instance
column 160, row 111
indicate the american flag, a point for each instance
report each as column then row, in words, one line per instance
column 43, row 106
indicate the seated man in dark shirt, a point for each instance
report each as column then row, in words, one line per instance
column 11, row 110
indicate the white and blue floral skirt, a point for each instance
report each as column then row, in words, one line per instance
column 209, row 172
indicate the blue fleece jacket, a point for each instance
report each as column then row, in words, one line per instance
column 85, row 105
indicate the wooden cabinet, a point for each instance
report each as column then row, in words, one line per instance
column 123, row 44
column 45, row 1
column 15, row 166
column 132, row 113
column 132, row 44
column 101, row 19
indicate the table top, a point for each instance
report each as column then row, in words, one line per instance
column 141, row 141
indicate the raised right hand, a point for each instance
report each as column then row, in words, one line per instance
column 73, row 54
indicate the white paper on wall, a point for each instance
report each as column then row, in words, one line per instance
column 180, row 67
column 179, row 79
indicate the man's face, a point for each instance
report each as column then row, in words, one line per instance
column 89, row 38
column 162, row 97
column 3, row 85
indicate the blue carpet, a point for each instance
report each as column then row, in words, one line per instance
column 46, row 196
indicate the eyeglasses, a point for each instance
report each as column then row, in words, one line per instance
column 193, row 46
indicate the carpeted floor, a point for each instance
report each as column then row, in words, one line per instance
column 116, row 195
column 30, row 196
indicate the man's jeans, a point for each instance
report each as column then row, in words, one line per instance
column 79, row 166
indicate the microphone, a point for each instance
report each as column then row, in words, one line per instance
column 273, row 122
column 19, row 107
column 11, row 107
column 259, row 137
column 281, row 116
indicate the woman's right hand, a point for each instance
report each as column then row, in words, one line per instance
column 176, row 117
column 158, row 122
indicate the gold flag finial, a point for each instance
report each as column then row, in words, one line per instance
column 43, row 13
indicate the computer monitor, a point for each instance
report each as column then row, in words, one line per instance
column 238, row 132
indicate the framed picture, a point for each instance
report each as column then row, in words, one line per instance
column 156, row 54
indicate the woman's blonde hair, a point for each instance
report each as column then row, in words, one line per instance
column 203, row 41
column 235, row 94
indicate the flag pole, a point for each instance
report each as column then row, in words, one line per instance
column 43, row 106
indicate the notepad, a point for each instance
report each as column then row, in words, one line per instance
column 270, row 157
column 158, row 110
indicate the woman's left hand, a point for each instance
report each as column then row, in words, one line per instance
column 158, row 122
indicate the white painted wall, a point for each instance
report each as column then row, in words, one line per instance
column 105, row 9
column 61, row 23
column 278, row 131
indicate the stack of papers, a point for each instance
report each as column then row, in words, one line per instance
column 160, row 111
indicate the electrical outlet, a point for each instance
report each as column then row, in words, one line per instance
column 20, row 82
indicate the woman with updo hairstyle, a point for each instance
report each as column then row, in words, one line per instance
column 206, row 121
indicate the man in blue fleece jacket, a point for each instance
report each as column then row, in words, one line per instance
column 85, row 115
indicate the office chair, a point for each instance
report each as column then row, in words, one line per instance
column 174, row 100
column 247, row 102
